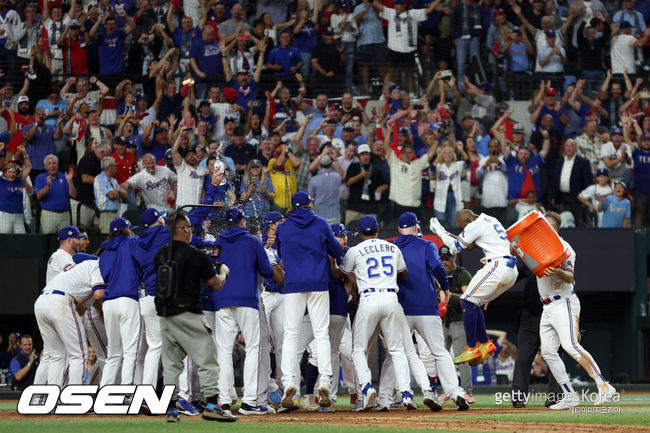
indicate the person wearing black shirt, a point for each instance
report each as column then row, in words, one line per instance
column 366, row 185
column 528, row 341
column 183, row 327
column 83, row 205
column 167, row 102
column 328, row 59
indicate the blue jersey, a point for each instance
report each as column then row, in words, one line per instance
column 615, row 212
column 338, row 295
column 642, row 170
column 119, row 269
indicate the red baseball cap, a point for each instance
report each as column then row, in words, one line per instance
column 551, row 91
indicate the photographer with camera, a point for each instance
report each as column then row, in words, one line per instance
column 183, row 327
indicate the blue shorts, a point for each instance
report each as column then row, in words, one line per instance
column 372, row 54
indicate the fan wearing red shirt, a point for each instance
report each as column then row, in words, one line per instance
column 21, row 119
column 75, row 52
column 214, row 17
column 125, row 161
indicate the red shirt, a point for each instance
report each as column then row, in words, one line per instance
column 125, row 166
column 17, row 138
column 78, row 56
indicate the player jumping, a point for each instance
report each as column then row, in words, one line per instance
column 497, row 275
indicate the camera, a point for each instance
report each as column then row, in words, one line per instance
column 446, row 74
column 418, row 106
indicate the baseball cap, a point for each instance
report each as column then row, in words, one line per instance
column 551, row 91
column 518, row 128
column 68, row 232
column 550, row 33
column 368, row 223
column 407, row 219
column 325, row 161
column 160, row 129
column 82, row 257
column 118, row 224
column 272, row 218
column 466, row 115
column 328, row 31
column 332, row 121
column 616, row 130
column 444, row 252
column 363, row 148
column 498, row 12
column 120, row 140
column 235, row 214
column 256, row 163
column 22, row 98
column 301, row 198
column 602, row 171
column 516, row 30
column 339, row 229
column 204, row 103
column 150, row 216
column 348, row 127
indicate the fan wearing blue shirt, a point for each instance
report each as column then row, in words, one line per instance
column 110, row 42
column 53, row 190
column 284, row 60
column 617, row 209
column 206, row 62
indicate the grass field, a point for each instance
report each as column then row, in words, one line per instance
column 631, row 414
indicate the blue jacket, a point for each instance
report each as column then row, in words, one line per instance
column 148, row 245
column 417, row 291
column 244, row 254
column 212, row 194
column 304, row 240
column 207, row 292
column 118, row 268
column 338, row 295
column 270, row 285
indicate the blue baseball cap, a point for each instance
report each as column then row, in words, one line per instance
column 235, row 214
column 68, row 232
column 616, row 130
column 550, row 33
column 368, row 223
column 118, row 224
column 82, row 257
column 339, row 229
column 272, row 218
column 407, row 219
column 301, row 198
column 602, row 171
column 150, row 216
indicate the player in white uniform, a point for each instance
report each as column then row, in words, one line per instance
column 60, row 324
column 60, row 260
column 376, row 265
column 498, row 274
column 559, row 326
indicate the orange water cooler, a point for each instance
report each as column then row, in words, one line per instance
column 537, row 243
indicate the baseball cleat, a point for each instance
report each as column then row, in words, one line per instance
column 470, row 398
column 431, row 401
column 275, row 398
column 382, row 408
column 214, row 412
column 369, row 397
column 287, row 400
column 444, row 398
column 487, row 349
column 324, row 399
column 309, row 403
column 461, row 402
column 469, row 354
column 184, row 407
column 605, row 394
column 246, row 409
column 172, row 415
column 328, row 409
column 568, row 400
column 198, row 404
column 358, row 406
column 408, row 401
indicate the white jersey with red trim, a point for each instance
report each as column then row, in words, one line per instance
column 553, row 285
column 59, row 261
column 375, row 263
column 487, row 233
column 79, row 281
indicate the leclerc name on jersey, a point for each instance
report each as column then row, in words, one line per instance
column 80, row 399
column 379, row 248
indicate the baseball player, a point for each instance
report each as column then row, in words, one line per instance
column 59, row 261
column 498, row 274
column 121, row 307
column 304, row 241
column 559, row 326
column 149, row 242
column 237, row 308
column 376, row 265
column 60, row 324
column 417, row 295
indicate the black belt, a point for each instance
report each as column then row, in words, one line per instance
column 511, row 260
column 547, row 301
column 57, row 211
column 373, row 290
column 53, row 292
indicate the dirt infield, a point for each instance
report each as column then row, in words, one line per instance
column 400, row 419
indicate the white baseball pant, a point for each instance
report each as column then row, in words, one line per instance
column 188, row 381
column 267, row 384
column 318, row 306
column 489, row 282
column 211, row 317
column 559, row 326
column 383, row 309
column 151, row 323
column 347, row 367
column 274, row 310
column 63, row 334
column 122, row 321
column 230, row 320
column 96, row 334
column 337, row 326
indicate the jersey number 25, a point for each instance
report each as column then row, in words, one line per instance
column 373, row 265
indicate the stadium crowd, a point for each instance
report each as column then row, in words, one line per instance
column 374, row 108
